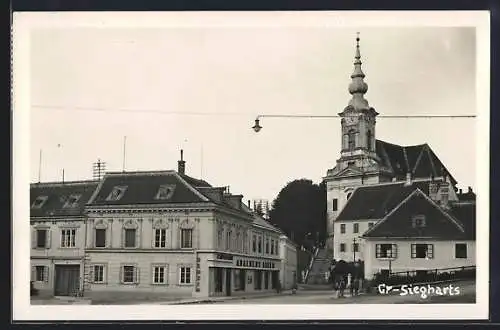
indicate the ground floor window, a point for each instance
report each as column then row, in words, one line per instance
column 461, row 250
column 130, row 274
column 421, row 251
column 386, row 250
column 159, row 274
column 258, row 280
column 185, row 277
column 98, row 273
column 40, row 273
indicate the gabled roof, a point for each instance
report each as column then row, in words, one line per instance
column 419, row 160
column 143, row 187
column 466, row 214
column 439, row 224
column 376, row 201
column 57, row 196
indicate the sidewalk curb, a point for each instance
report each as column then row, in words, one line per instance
column 218, row 299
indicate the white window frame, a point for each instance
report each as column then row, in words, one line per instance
column 104, row 273
column 165, row 274
column 47, row 238
column 157, row 244
column 45, row 273
column 189, row 230
column 72, row 238
column 135, row 279
column 183, row 268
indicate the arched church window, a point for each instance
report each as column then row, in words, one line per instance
column 351, row 139
column 369, row 139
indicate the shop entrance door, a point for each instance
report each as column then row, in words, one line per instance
column 228, row 281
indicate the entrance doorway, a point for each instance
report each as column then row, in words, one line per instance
column 228, row 282
column 67, row 280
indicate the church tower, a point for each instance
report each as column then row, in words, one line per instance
column 358, row 163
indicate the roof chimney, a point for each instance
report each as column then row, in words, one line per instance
column 408, row 179
column 460, row 191
column 248, row 203
column 470, row 189
column 181, row 164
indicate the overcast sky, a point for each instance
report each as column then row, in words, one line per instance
column 235, row 74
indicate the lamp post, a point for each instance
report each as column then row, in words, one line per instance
column 354, row 249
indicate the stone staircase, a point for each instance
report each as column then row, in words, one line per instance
column 320, row 265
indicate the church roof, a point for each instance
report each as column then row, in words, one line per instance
column 439, row 223
column 60, row 198
column 419, row 160
column 376, row 201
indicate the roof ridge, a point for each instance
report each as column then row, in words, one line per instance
column 65, row 183
column 137, row 173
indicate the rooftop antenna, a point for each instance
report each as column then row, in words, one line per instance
column 40, row 167
column 124, row 152
column 99, row 168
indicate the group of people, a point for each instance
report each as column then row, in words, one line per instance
column 345, row 275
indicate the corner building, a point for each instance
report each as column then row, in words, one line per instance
column 164, row 234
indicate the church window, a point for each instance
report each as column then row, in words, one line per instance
column 335, row 202
column 351, row 140
column 369, row 140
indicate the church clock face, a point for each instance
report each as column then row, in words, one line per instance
column 350, row 120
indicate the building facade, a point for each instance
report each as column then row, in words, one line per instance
column 58, row 236
column 163, row 234
column 289, row 263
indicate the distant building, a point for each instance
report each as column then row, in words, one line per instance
column 261, row 207
column 384, row 197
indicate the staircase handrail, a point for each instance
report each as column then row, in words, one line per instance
column 308, row 270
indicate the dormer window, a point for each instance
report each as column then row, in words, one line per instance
column 39, row 201
column 72, row 201
column 165, row 192
column 418, row 221
column 117, row 193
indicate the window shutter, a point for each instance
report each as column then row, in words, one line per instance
column 91, row 274
column 123, row 238
column 153, row 240
column 137, row 237
column 166, row 274
column 33, row 238
column 33, row 273
column 121, row 274
column 395, row 249
column 136, row 274
column 46, row 274
column 48, row 238
column 195, row 236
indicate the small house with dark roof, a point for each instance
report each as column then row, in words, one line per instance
column 58, row 236
column 164, row 233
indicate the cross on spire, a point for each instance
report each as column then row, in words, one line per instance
column 357, row 87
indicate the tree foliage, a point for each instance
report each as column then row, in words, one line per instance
column 300, row 209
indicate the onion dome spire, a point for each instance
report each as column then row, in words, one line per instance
column 357, row 87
